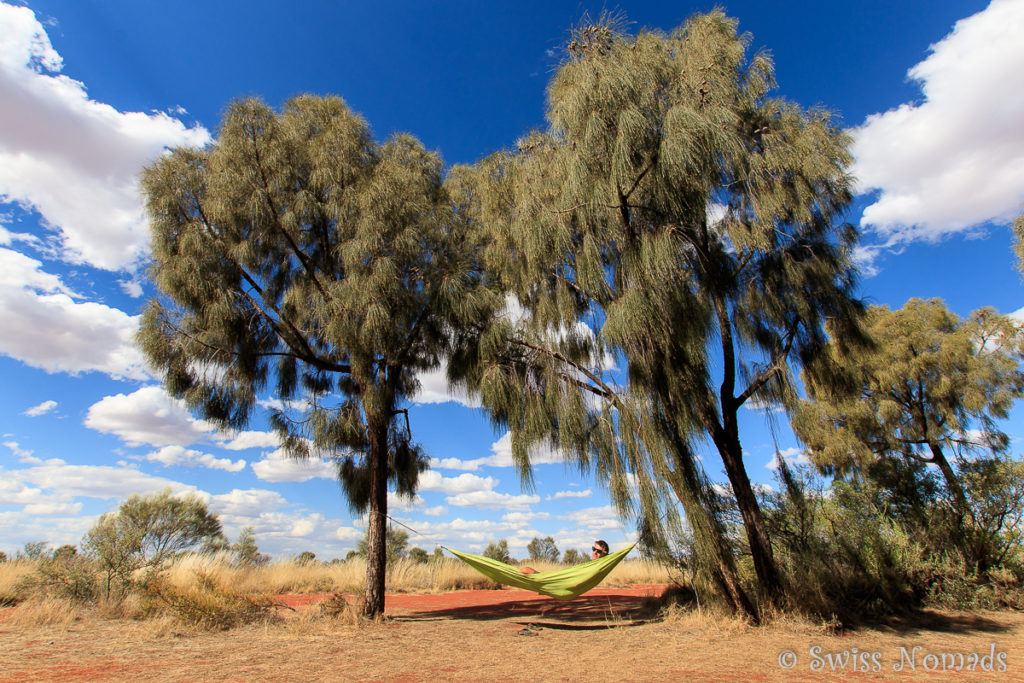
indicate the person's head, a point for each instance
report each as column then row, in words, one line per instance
column 599, row 550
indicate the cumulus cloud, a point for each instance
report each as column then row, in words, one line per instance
column 434, row 388
column 464, row 483
column 348, row 533
column 793, row 456
column 246, row 503
column 23, row 455
column 72, row 159
column 397, row 503
column 59, row 482
column 501, row 456
column 178, row 455
column 277, row 467
column 251, row 439
column 492, row 500
column 525, row 517
column 305, row 526
column 570, row 494
column 53, row 508
column 147, row 416
column 46, row 326
column 41, row 409
column 595, row 518
column 956, row 159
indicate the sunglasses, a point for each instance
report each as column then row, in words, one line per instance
column 598, row 550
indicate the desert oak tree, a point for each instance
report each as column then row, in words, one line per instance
column 678, row 219
column 930, row 389
column 298, row 257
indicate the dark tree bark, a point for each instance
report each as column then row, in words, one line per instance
column 376, row 536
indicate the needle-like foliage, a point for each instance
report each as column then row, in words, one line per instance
column 299, row 257
column 681, row 221
column 929, row 390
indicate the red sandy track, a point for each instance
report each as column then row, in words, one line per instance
column 597, row 604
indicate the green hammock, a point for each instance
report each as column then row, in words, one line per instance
column 561, row 584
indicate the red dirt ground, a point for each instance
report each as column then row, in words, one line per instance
column 602, row 604
column 464, row 636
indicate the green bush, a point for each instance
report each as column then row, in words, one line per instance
column 63, row 574
column 892, row 541
column 146, row 531
column 205, row 603
column 498, row 550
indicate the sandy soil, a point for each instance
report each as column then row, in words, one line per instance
column 607, row 634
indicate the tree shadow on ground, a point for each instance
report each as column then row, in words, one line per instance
column 583, row 613
column 925, row 621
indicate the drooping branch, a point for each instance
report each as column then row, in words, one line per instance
column 601, row 389
column 777, row 365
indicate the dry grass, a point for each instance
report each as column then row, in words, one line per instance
column 688, row 645
column 404, row 576
column 12, row 574
column 54, row 613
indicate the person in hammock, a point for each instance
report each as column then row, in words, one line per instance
column 599, row 550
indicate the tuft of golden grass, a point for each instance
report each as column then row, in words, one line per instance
column 12, row 574
column 44, row 613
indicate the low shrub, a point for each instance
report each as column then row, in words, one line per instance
column 206, row 603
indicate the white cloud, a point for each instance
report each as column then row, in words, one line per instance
column 764, row 407
column 277, row 467
column 595, row 518
column 7, row 237
column 305, row 526
column 956, row 159
column 247, row 503
column 41, row 409
column 570, row 494
column 18, row 493
column 22, row 454
column 73, row 159
column 147, row 416
column 53, row 508
column 492, row 500
column 462, row 484
column 434, row 388
column 398, row 503
column 63, row 482
column 251, row 439
column 132, row 288
column 45, row 327
column 347, row 533
column 525, row 517
column 793, row 456
column 501, row 456
column 22, row 527
column 178, row 455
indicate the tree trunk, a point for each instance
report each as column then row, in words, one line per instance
column 952, row 481
column 728, row 443
column 727, row 439
column 376, row 533
column 708, row 533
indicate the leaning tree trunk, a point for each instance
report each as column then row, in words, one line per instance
column 953, row 484
column 376, row 533
column 728, row 443
column 709, row 535
column 726, row 437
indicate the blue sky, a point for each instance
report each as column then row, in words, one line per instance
column 92, row 91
